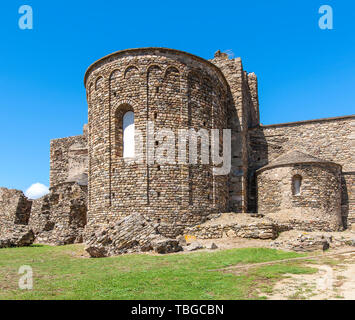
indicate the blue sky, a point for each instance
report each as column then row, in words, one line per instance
column 304, row 72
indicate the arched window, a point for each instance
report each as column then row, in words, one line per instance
column 296, row 185
column 128, row 134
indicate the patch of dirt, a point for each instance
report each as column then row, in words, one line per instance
column 339, row 239
column 232, row 243
column 333, row 281
column 222, row 244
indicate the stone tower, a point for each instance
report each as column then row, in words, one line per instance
column 168, row 89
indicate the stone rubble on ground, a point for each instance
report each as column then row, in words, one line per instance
column 20, row 236
column 211, row 246
column 60, row 217
column 311, row 241
column 182, row 240
column 194, row 246
column 131, row 234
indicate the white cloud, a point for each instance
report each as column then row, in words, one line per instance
column 37, row 190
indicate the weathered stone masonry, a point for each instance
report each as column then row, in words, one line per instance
column 303, row 189
column 60, row 217
column 177, row 90
column 68, row 159
column 329, row 139
column 174, row 90
column 15, row 211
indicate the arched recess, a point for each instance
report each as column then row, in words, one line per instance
column 131, row 73
column 172, row 77
column 115, row 82
column 195, row 99
column 194, row 81
column 208, row 90
column 132, row 85
column 99, row 82
column 155, row 78
column 90, row 92
column 171, row 83
column 124, row 121
column 99, row 85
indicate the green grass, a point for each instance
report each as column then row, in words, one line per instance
column 62, row 273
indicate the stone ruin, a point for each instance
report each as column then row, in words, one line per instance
column 57, row 218
column 60, row 217
column 283, row 177
column 14, row 216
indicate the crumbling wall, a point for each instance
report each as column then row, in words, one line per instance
column 15, row 211
column 243, row 113
column 68, row 158
column 15, row 208
column 60, row 217
column 57, row 218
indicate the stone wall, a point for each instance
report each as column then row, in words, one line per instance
column 57, row 218
column 68, row 158
column 233, row 225
column 176, row 90
column 15, row 209
column 318, row 204
column 328, row 139
column 173, row 90
column 60, row 217
column 244, row 113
